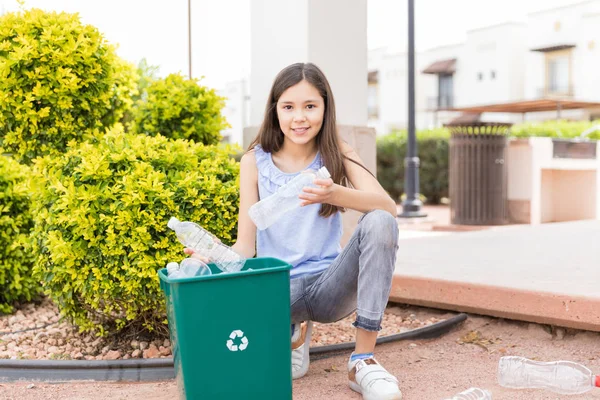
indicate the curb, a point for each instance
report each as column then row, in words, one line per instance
column 163, row 368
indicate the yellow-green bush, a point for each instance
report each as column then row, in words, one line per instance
column 181, row 108
column 555, row 128
column 16, row 261
column 101, row 221
column 59, row 81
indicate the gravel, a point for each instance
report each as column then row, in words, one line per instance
column 36, row 332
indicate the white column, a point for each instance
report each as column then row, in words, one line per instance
column 329, row 33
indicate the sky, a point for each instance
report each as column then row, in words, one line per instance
column 158, row 29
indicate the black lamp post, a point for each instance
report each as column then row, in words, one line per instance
column 411, row 206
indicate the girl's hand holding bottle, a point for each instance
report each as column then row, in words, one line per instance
column 320, row 194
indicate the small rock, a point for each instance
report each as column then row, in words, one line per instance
column 105, row 350
column 99, row 357
column 126, row 357
column 30, row 386
column 61, row 342
column 53, row 350
column 136, row 353
column 11, row 346
column 40, row 336
column 76, row 355
column 112, row 355
column 96, row 342
column 143, row 345
column 151, row 352
column 167, row 343
column 20, row 316
column 412, row 345
column 68, row 347
column 52, row 342
column 90, row 350
column 135, row 344
column 560, row 333
column 164, row 351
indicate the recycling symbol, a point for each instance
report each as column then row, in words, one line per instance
column 234, row 347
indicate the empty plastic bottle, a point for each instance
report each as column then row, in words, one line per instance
column 473, row 394
column 564, row 377
column 205, row 243
column 188, row 268
column 267, row 211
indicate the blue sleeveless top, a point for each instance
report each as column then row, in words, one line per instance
column 301, row 237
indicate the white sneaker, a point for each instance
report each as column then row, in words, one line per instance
column 300, row 349
column 372, row 380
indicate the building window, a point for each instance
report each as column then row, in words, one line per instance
column 558, row 72
column 445, row 91
column 493, row 74
column 480, row 76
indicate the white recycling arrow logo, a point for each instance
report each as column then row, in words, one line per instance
column 234, row 347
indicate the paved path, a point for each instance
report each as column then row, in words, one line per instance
column 547, row 274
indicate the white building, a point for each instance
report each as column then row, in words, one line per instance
column 236, row 110
column 553, row 54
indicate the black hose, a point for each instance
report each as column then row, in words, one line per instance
column 163, row 368
column 427, row 332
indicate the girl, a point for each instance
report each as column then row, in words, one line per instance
column 327, row 284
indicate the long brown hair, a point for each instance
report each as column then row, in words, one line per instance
column 270, row 137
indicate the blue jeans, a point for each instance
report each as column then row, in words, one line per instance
column 359, row 279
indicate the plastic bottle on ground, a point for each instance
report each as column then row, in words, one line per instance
column 205, row 243
column 188, row 268
column 563, row 377
column 267, row 211
column 473, row 394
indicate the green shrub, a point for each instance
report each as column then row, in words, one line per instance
column 59, row 81
column 555, row 128
column 101, row 222
column 16, row 260
column 180, row 108
column 433, row 172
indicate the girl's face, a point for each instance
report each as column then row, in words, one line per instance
column 300, row 111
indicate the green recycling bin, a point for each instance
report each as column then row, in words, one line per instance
column 230, row 332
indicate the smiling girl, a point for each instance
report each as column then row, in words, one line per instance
column 327, row 284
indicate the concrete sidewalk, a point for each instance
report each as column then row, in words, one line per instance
column 546, row 274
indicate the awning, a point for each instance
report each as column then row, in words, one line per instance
column 441, row 67
column 527, row 106
column 555, row 47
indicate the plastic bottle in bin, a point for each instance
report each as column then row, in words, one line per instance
column 564, row 377
column 206, row 244
column 270, row 209
column 188, row 268
column 473, row 394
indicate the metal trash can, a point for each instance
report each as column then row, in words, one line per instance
column 478, row 173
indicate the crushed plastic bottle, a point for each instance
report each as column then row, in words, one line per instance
column 188, row 268
column 473, row 394
column 205, row 243
column 267, row 211
column 563, row 377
